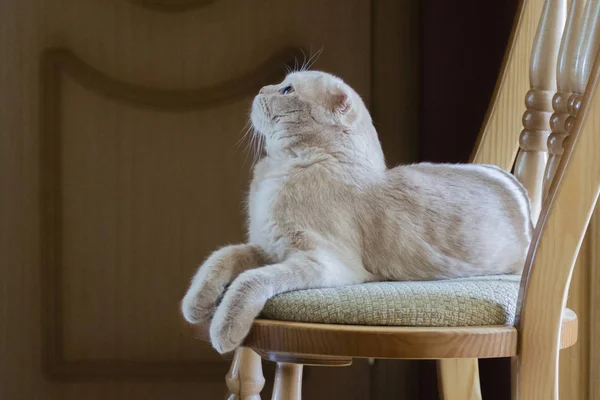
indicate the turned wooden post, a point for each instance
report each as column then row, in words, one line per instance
column 245, row 378
column 458, row 379
column 288, row 382
column 577, row 54
column 564, row 78
column 531, row 161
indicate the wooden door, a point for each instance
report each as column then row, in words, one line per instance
column 119, row 173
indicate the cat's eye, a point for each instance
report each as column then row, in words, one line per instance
column 286, row 90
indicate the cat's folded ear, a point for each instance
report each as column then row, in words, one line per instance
column 340, row 101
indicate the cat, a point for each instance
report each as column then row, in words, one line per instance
column 325, row 211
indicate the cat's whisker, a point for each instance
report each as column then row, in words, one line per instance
column 248, row 147
column 251, row 150
column 303, row 60
column 245, row 129
column 258, row 148
column 253, row 137
column 314, row 58
column 305, row 64
column 248, row 141
column 256, row 144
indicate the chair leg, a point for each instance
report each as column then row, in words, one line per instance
column 535, row 377
column 288, row 382
column 245, row 378
column 458, row 379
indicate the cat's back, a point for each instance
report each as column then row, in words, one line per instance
column 480, row 194
column 461, row 184
column 462, row 218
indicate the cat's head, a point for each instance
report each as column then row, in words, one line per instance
column 318, row 110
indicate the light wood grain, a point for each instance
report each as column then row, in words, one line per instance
column 245, row 378
column 288, row 382
column 305, row 359
column 496, row 146
column 593, row 305
column 569, row 329
column 301, row 341
column 325, row 344
column 574, row 362
column 588, row 44
column 458, row 379
column 571, row 200
column 383, row 342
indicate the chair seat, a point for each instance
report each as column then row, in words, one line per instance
column 457, row 318
column 473, row 301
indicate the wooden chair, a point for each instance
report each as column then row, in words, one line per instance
column 563, row 192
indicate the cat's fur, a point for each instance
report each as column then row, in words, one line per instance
column 325, row 211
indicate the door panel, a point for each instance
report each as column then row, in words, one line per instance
column 119, row 154
column 136, row 192
column 119, row 173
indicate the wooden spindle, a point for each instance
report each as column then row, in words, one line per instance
column 245, row 379
column 531, row 161
column 288, row 382
column 565, row 73
column 578, row 51
column 458, row 379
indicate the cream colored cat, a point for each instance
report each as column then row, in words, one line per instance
column 325, row 211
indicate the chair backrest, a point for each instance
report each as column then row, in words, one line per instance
column 562, row 116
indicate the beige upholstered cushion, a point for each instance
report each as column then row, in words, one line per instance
column 472, row 301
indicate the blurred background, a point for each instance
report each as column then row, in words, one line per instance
column 119, row 173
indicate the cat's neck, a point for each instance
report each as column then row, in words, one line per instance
column 354, row 151
column 339, row 164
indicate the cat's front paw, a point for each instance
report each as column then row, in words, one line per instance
column 234, row 317
column 214, row 275
column 198, row 304
column 221, row 339
column 195, row 307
